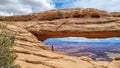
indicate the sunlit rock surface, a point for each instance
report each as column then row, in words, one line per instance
column 29, row 28
column 91, row 23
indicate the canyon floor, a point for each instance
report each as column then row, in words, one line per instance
column 100, row 51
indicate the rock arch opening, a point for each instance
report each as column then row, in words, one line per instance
column 97, row 49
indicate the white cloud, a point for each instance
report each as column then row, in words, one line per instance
column 10, row 7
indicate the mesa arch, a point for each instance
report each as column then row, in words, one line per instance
column 91, row 23
column 91, row 28
column 77, row 29
column 31, row 53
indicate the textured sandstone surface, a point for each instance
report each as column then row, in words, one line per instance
column 91, row 28
column 31, row 54
column 91, row 23
column 59, row 14
column 28, row 29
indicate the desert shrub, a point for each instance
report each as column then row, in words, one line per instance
column 2, row 25
column 7, row 55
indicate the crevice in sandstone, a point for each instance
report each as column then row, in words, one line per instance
column 38, row 62
column 37, row 54
column 47, row 56
column 60, row 26
column 70, row 60
column 23, row 52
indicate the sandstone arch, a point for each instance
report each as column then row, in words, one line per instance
column 91, row 28
column 91, row 23
column 32, row 54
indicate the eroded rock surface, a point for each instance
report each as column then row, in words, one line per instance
column 91, row 23
column 59, row 14
column 31, row 54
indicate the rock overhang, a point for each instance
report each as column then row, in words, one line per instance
column 75, row 22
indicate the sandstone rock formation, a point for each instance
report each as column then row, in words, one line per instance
column 116, row 14
column 91, row 23
column 59, row 14
column 31, row 54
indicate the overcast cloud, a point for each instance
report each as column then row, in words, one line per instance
column 11, row 7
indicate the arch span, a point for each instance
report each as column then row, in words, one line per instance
column 91, row 23
column 90, row 28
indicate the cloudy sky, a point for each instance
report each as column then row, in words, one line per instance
column 12, row 7
column 82, row 39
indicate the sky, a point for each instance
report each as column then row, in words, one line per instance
column 82, row 39
column 15, row 7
